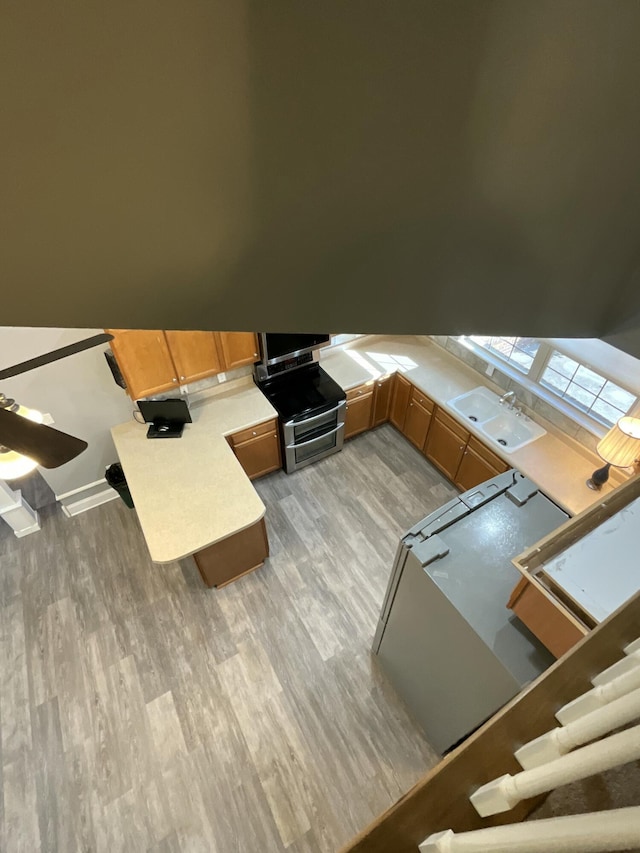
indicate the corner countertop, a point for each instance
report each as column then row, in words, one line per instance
column 192, row 492
column 556, row 465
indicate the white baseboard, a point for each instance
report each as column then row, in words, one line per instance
column 86, row 497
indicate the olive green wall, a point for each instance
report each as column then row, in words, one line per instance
column 398, row 166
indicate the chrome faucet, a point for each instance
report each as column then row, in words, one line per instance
column 508, row 397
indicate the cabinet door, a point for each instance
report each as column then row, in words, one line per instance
column 444, row 447
column 144, row 360
column 358, row 415
column 238, row 348
column 473, row 470
column 478, row 464
column 383, row 390
column 259, row 455
column 195, row 354
column 416, row 424
column 400, row 401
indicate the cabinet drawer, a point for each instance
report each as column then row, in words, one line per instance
column 489, row 457
column 247, row 434
column 453, row 425
column 360, row 391
column 422, row 400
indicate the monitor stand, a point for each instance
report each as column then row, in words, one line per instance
column 165, row 429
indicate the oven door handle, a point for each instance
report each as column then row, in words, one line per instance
column 317, row 438
column 337, row 408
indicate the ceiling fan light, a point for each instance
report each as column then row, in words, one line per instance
column 12, row 464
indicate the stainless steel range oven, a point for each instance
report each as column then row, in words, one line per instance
column 308, row 439
column 311, row 405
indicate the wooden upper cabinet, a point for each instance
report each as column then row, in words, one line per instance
column 195, row 354
column 238, row 348
column 400, row 401
column 383, row 391
column 144, row 360
column 446, row 444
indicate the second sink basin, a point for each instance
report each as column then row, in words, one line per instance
column 500, row 425
column 511, row 432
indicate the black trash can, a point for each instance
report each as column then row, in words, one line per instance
column 114, row 475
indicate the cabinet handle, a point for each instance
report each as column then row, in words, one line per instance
column 411, row 404
column 174, row 379
column 182, row 377
column 253, row 433
column 255, row 355
column 462, row 447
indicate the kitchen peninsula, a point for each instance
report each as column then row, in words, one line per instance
column 193, row 497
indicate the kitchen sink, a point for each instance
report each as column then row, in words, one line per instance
column 511, row 432
column 496, row 422
column 478, row 405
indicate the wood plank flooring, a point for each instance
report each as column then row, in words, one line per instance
column 140, row 711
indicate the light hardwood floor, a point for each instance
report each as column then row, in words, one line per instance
column 141, row 711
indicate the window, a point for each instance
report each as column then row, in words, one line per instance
column 519, row 352
column 588, row 395
column 585, row 389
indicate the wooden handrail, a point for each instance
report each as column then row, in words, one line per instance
column 440, row 800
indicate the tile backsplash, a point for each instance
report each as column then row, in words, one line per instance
column 532, row 403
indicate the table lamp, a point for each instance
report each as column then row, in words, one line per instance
column 620, row 447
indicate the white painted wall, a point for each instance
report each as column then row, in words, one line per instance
column 78, row 391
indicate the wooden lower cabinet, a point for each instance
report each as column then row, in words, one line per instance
column 416, row 424
column 445, row 445
column 258, row 449
column 234, row 556
column 382, row 394
column 544, row 618
column 359, row 410
column 477, row 465
column 400, row 401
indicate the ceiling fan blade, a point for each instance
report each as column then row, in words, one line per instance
column 54, row 355
column 47, row 446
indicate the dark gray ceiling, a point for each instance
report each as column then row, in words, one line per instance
column 435, row 167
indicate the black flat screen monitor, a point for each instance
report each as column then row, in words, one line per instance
column 167, row 417
column 278, row 347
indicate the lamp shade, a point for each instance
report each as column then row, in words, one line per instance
column 12, row 464
column 621, row 445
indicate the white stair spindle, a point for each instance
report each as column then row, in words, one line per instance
column 625, row 664
column 557, row 742
column 504, row 793
column 597, row 832
column 599, row 696
column 632, row 647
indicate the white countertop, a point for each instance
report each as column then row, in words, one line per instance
column 556, row 465
column 192, row 492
